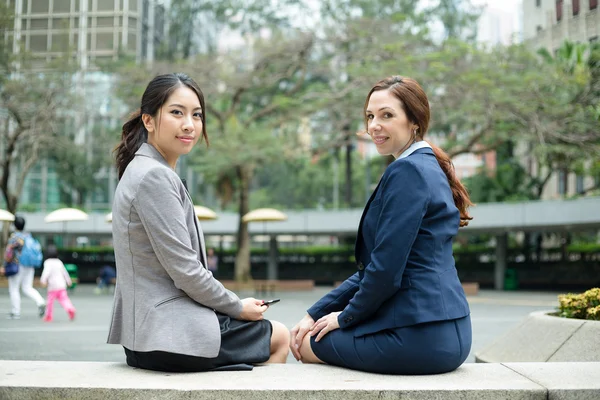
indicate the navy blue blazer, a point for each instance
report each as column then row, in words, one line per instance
column 406, row 273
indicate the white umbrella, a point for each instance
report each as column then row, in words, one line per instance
column 204, row 213
column 6, row 216
column 66, row 214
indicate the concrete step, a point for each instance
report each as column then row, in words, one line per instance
column 43, row 380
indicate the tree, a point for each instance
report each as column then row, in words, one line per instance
column 34, row 106
column 78, row 164
column 256, row 105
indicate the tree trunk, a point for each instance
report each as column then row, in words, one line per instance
column 242, row 259
column 348, row 167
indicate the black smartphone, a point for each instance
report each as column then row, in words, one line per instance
column 269, row 302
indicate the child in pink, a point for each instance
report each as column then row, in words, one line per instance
column 57, row 278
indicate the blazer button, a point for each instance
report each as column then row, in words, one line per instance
column 361, row 266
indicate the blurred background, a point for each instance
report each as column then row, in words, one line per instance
column 513, row 86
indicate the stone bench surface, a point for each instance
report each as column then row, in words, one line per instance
column 102, row 380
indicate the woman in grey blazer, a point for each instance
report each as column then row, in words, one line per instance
column 170, row 313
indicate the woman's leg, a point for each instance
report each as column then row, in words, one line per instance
column 280, row 343
column 14, row 282
column 308, row 356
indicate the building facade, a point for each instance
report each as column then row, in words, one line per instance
column 548, row 24
column 93, row 32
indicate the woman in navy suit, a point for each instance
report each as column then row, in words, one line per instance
column 404, row 311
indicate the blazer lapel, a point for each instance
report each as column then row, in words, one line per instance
column 362, row 217
column 198, row 229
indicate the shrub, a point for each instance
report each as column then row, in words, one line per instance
column 583, row 306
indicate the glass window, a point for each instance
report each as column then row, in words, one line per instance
column 76, row 22
column 593, row 4
column 538, row 3
column 559, row 9
column 579, row 184
column 89, row 41
column 562, row 182
column 39, row 23
column 38, row 42
column 132, row 23
column 24, row 23
column 131, row 41
column 133, row 5
column 60, row 42
column 40, row 7
column 62, row 6
column 106, row 5
column 24, row 6
column 60, row 23
column 104, row 41
column 75, row 42
column 90, row 4
column 107, row 22
column 575, row 7
column 77, row 5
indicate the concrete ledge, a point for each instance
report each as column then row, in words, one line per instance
column 546, row 338
column 43, row 380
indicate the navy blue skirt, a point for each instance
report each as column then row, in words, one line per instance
column 430, row 348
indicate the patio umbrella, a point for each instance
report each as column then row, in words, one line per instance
column 64, row 215
column 264, row 214
column 205, row 213
column 5, row 216
column 268, row 215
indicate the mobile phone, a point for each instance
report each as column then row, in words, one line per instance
column 269, row 302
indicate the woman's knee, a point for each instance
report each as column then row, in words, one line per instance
column 280, row 338
column 306, row 352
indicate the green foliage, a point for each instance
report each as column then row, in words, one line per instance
column 584, row 248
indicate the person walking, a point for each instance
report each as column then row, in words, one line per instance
column 22, row 281
column 57, row 279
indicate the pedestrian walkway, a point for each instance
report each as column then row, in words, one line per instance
column 493, row 313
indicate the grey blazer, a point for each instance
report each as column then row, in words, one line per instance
column 165, row 298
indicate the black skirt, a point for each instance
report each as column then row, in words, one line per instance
column 243, row 344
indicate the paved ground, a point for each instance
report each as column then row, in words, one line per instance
column 493, row 313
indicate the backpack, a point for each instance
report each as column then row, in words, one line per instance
column 31, row 253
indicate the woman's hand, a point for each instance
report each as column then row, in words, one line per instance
column 252, row 309
column 325, row 325
column 297, row 335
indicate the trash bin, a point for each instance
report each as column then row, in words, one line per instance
column 511, row 281
column 72, row 270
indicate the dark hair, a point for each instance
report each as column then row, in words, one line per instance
column 157, row 92
column 51, row 251
column 19, row 223
column 413, row 101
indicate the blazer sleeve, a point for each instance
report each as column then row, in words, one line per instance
column 160, row 208
column 335, row 300
column 405, row 198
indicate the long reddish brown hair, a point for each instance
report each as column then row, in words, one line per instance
column 413, row 101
